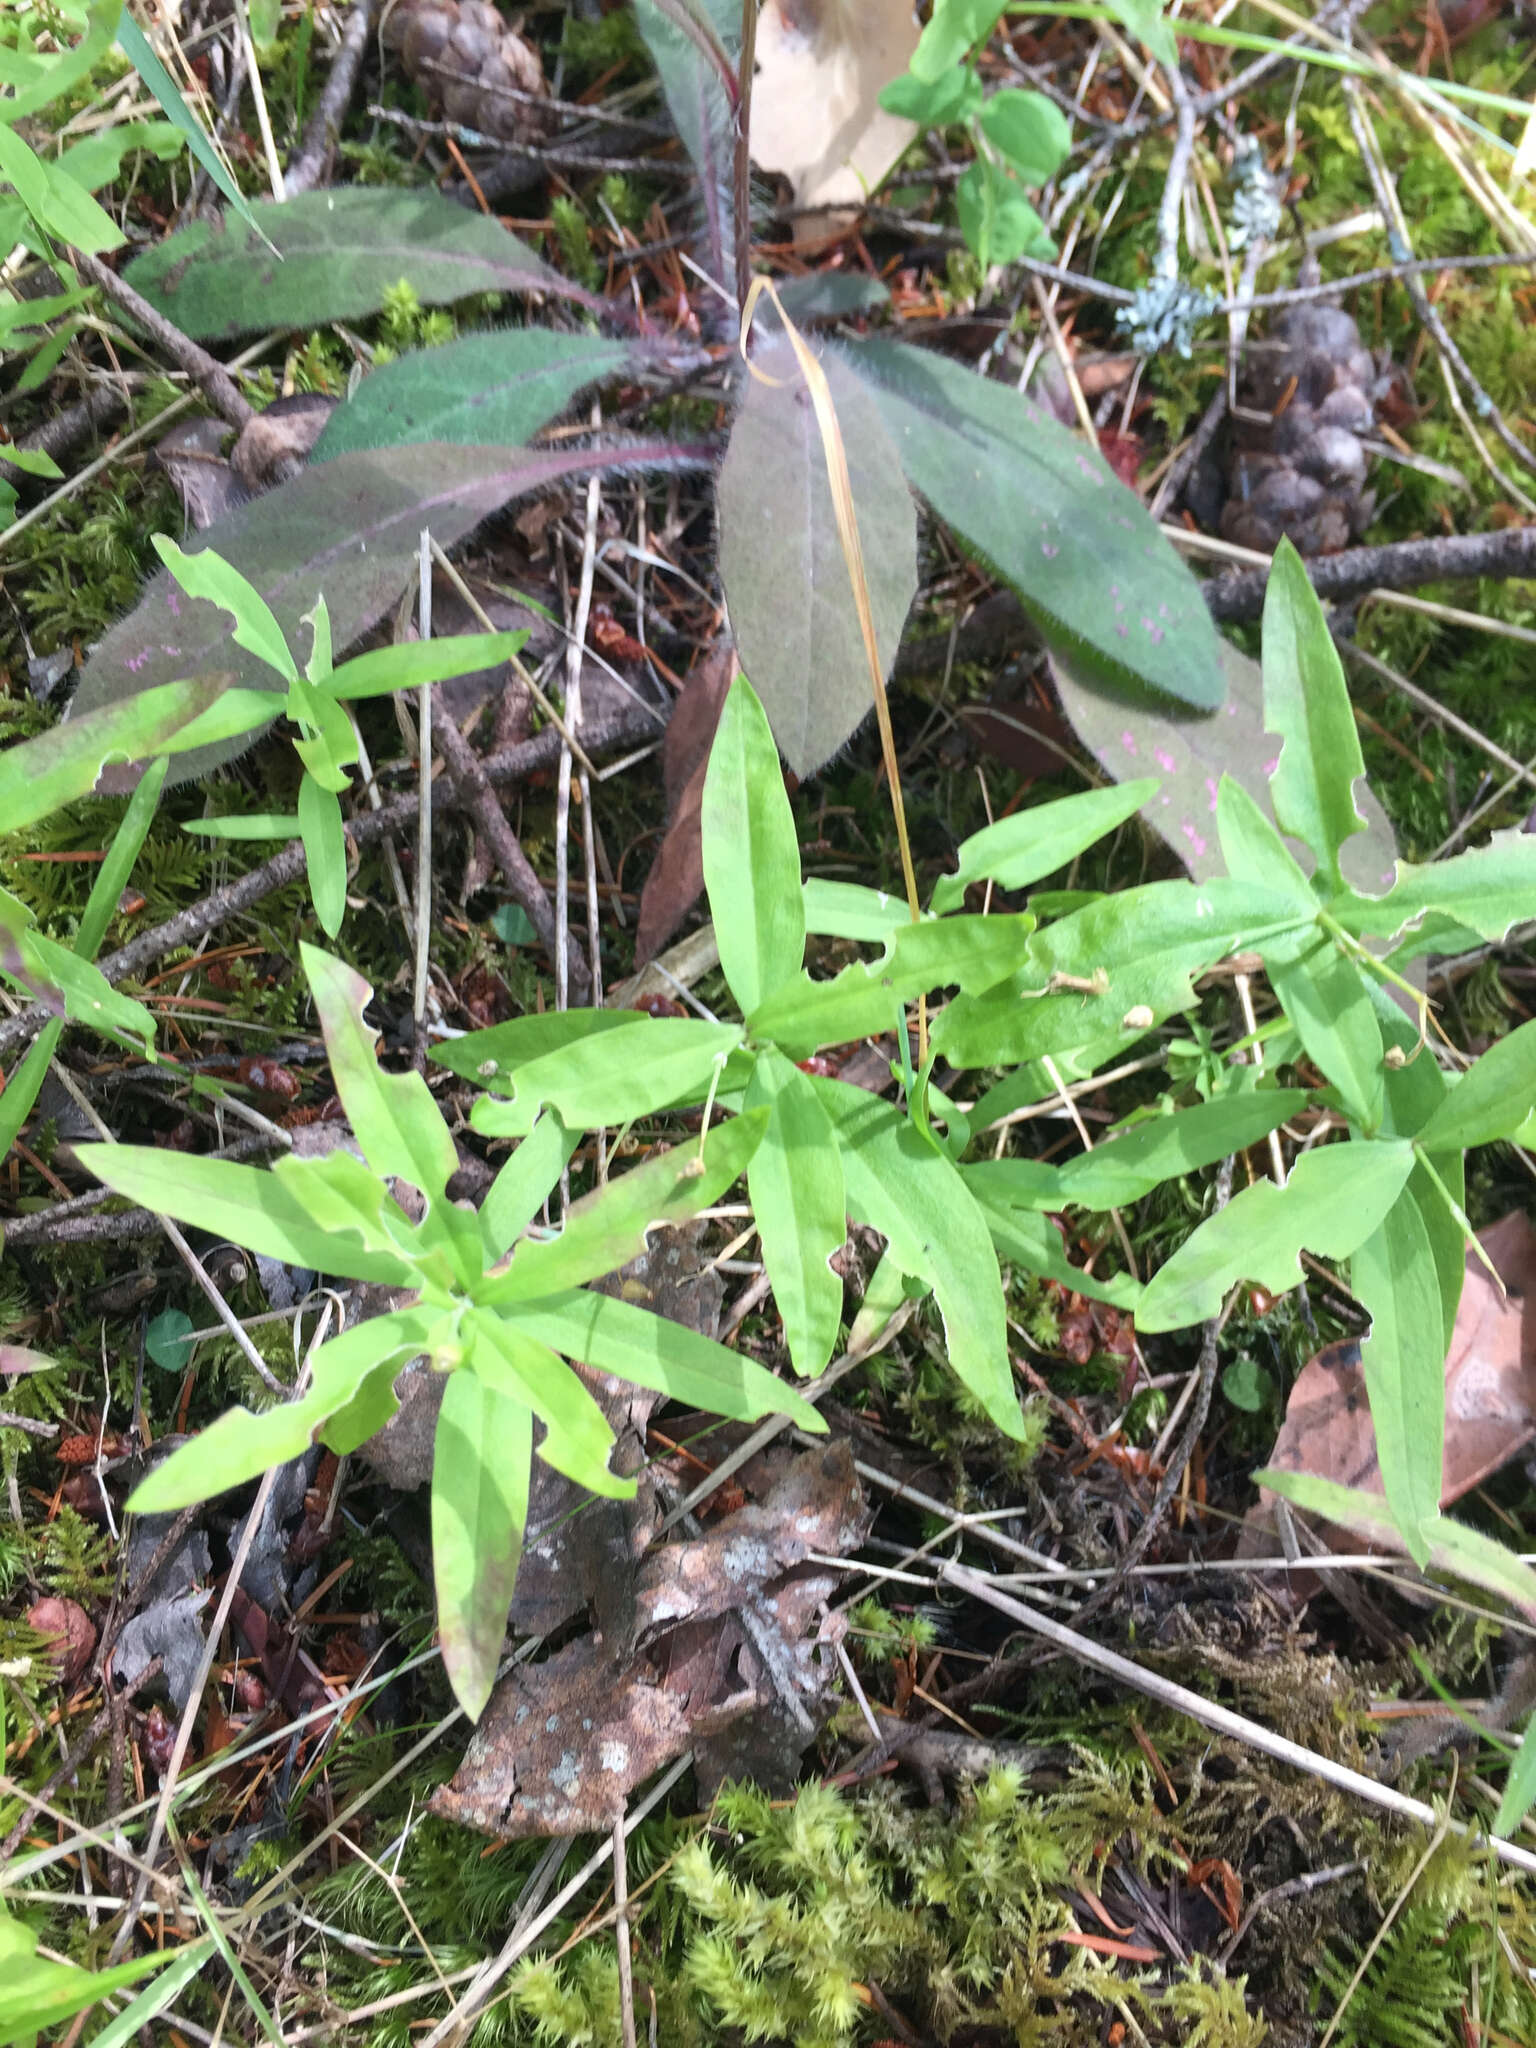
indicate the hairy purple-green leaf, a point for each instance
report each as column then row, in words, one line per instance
column 333, row 255
column 1047, row 513
column 1190, row 751
column 781, row 561
column 351, row 530
column 493, row 389
column 696, row 76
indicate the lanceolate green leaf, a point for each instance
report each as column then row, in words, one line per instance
column 38, row 1995
column 781, row 561
column 1393, row 1276
column 1453, row 1548
column 915, row 1197
column 751, row 853
column 1332, row 1202
column 1413, row 1093
column 1110, row 970
column 493, row 1058
column 1326, row 998
column 612, row 1077
column 1037, row 842
column 617, row 1337
column 523, row 1184
column 608, row 1227
column 136, row 47
column 1492, row 1101
column 351, row 528
column 1306, row 704
column 248, row 1206
column 968, row 952
column 480, row 1472
column 577, row 1439
column 798, row 1203
column 1130, row 1166
column 847, row 910
column 1052, row 519
column 333, row 255
column 489, row 389
column 325, row 853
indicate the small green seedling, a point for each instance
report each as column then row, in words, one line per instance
column 327, row 743
column 496, row 1306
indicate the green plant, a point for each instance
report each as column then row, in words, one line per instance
column 1049, row 515
column 493, row 1317
column 327, row 742
column 37, row 1993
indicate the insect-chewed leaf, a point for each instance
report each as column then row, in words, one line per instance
column 486, row 390
column 751, row 853
column 351, row 528
column 480, row 1472
column 611, row 1077
column 916, row 1198
column 1332, row 1202
column 333, row 256
column 393, row 1116
column 1190, row 750
column 1484, row 891
column 1051, row 517
column 1110, row 970
column 786, row 580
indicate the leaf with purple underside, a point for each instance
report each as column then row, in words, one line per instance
column 338, row 253
column 1047, row 514
column 1191, row 751
column 694, row 71
column 350, row 529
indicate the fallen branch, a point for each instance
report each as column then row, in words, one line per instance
column 324, row 125
column 209, row 375
column 1400, row 565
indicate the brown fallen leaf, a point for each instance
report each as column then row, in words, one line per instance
column 723, row 1634
column 1490, row 1386
column 816, row 113
column 676, row 879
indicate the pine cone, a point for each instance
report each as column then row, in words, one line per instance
column 1303, row 474
column 476, row 69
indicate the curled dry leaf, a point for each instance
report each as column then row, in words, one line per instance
column 723, row 1644
column 70, row 1634
column 1490, row 1385
column 676, row 879
column 816, row 113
